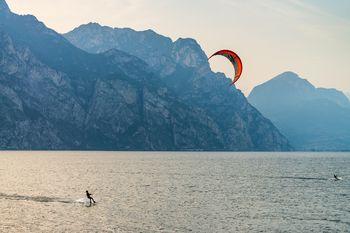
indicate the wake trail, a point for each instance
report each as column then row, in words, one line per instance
column 41, row 199
column 296, row 178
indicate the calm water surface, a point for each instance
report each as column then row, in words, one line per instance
column 174, row 192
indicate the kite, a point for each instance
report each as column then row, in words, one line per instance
column 235, row 60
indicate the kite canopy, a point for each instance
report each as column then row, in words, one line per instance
column 234, row 59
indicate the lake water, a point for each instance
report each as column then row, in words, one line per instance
column 174, row 192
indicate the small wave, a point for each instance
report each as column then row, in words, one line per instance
column 43, row 199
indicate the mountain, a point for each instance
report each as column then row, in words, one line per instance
column 184, row 68
column 348, row 95
column 311, row 118
column 57, row 96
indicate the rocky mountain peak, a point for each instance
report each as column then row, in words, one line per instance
column 189, row 53
column 288, row 82
column 92, row 24
column 292, row 78
column 288, row 74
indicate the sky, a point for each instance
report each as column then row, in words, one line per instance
column 309, row 37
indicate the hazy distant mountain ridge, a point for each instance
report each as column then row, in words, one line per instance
column 311, row 118
column 184, row 67
column 334, row 95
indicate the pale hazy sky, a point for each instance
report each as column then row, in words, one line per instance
column 310, row 37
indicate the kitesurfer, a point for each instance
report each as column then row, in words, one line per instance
column 89, row 196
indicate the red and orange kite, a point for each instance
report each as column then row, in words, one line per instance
column 235, row 60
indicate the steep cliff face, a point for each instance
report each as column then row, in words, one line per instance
column 312, row 118
column 184, row 68
column 56, row 96
column 31, row 94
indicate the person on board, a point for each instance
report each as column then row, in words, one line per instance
column 89, row 196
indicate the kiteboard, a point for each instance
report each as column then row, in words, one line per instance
column 86, row 202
